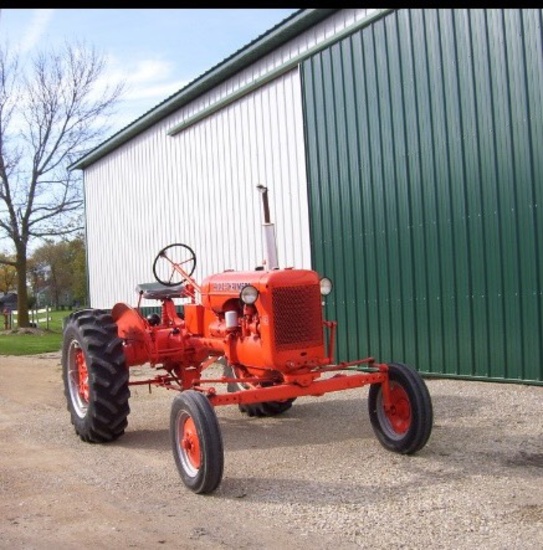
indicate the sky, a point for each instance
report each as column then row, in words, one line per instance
column 156, row 52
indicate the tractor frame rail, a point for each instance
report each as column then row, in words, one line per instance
column 295, row 385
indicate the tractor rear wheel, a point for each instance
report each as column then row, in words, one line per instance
column 196, row 442
column 406, row 427
column 267, row 408
column 95, row 376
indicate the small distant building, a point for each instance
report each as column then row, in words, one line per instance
column 8, row 301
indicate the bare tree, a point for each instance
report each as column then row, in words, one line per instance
column 50, row 115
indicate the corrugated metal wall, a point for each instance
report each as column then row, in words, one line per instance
column 424, row 140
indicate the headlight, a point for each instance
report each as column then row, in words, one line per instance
column 248, row 295
column 326, row 286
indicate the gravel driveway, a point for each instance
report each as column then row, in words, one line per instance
column 315, row 477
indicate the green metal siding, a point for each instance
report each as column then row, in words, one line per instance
column 424, row 135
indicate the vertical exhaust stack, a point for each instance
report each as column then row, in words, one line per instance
column 268, row 228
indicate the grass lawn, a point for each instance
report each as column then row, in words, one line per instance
column 32, row 344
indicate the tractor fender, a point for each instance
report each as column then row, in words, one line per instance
column 132, row 328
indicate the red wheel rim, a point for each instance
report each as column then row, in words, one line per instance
column 83, row 375
column 399, row 414
column 190, row 443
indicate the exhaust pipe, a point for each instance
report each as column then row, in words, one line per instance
column 270, row 241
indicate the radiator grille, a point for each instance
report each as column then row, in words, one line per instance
column 297, row 317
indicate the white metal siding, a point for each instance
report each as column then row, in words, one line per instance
column 305, row 41
column 199, row 187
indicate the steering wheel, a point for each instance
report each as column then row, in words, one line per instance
column 172, row 264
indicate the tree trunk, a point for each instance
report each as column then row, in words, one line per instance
column 22, row 290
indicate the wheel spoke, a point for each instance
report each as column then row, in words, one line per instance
column 184, row 262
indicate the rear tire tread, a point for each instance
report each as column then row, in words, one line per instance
column 96, row 333
column 267, row 408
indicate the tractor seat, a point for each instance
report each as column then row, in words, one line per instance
column 156, row 291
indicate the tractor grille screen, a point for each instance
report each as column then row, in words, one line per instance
column 297, row 317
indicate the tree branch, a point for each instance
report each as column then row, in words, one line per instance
column 5, row 261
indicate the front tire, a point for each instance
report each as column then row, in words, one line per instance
column 196, row 442
column 95, row 376
column 406, row 427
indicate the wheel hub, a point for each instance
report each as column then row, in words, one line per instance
column 83, row 375
column 190, row 443
column 78, row 379
column 399, row 413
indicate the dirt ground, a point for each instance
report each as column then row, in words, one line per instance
column 314, row 478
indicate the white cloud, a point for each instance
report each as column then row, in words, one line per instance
column 151, row 79
column 36, row 29
column 148, row 82
column 144, row 78
column 150, row 69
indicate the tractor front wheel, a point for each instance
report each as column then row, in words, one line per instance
column 95, row 376
column 405, row 427
column 196, row 442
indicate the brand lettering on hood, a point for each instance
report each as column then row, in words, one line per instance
column 228, row 286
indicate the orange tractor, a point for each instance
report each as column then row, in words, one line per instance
column 266, row 326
